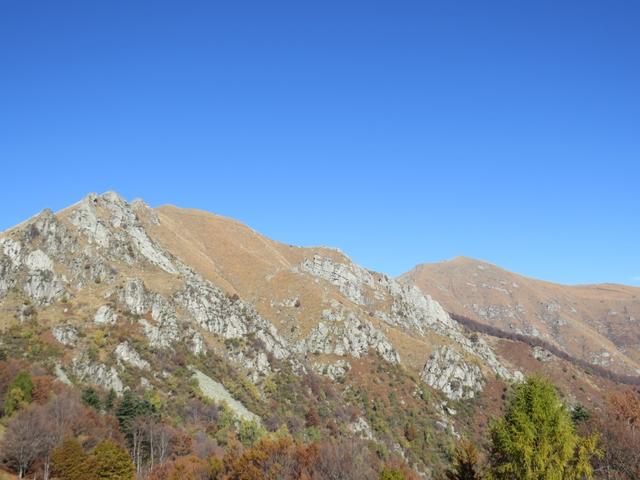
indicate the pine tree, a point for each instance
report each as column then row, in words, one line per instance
column 90, row 398
column 536, row 439
column 109, row 461
column 131, row 407
column 110, row 399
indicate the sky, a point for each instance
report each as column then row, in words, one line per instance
column 401, row 132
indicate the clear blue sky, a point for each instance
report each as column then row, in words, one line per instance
column 401, row 132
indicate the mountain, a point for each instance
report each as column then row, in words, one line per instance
column 599, row 324
column 178, row 306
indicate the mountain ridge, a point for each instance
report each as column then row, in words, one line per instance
column 603, row 316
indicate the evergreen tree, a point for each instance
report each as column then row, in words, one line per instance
column 131, row 407
column 536, row 440
column 109, row 461
column 580, row 414
column 90, row 398
column 110, row 400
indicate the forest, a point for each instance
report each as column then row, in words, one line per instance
column 54, row 431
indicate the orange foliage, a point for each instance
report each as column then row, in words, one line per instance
column 188, row 467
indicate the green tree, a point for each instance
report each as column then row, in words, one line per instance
column 69, row 461
column 90, row 397
column 536, row 439
column 580, row 414
column 110, row 399
column 250, row 432
column 18, row 393
column 108, row 461
column 131, row 407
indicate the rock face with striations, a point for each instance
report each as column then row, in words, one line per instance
column 447, row 371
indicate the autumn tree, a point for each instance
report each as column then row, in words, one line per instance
column 8, row 371
column 189, row 467
column 151, row 441
column 34, row 432
column 466, row 463
column 109, row 461
column 395, row 468
column 267, row 459
column 19, row 393
column 619, row 428
column 536, row 438
column 43, row 388
column 25, row 440
column 70, row 461
column 345, row 459
column 250, row 432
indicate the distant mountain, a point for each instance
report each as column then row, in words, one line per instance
column 596, row 323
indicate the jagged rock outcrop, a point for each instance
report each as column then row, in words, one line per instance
column 447, row 371
column 105, row 315
column 120, row 235
column 97, row 374
column 362, row 429
column 134, row 296
column 348, row 336
column 35, row 267
column 43, row 286
column 65, row 334
column 127, row 354
column 350, row 279
column 334, row 370
column 227, row 317
column 542, row 354
column 409, row 310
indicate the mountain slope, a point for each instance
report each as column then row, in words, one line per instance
column 596, row 323
column 181, row 306
column 125, row 297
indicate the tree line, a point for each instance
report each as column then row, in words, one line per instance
column 597, row 370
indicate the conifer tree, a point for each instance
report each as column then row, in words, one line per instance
column 536, row 439
column 90, row 398
column 131, row 407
